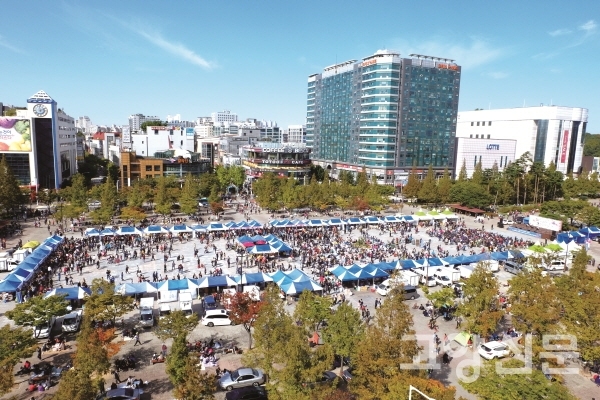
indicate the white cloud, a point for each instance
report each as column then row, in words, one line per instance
column 471, row 54
column 498, row 74
column 6, row 45
column 177, row 49
column 589, row 27
column 559, row 32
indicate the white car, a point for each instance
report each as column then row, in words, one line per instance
column 491, row 350
column 42, row 329
column 72, row 322
column 443, row 280
column 430, row 281
column 216, row 317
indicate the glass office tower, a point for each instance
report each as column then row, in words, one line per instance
column 384, row 113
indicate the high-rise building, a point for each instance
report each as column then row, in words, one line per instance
column 40, row 143
column 551, row 134
column 295, row 134
column 223, row 116
column 136, row 121
column 384, row 113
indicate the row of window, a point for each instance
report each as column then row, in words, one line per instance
column 477, row 136
column 489, row 123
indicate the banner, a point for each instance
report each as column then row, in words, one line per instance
column 15, row 134
column 563, row 150
column 545, row 223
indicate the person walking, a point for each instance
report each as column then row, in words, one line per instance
column 116, row 375
column 39, row 353
column 137, row 340
column 164, row 350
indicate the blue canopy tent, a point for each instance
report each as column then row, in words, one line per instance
column 155, row 229
column 281, row 247
column 92, row 232
column 107, row 232
column 278, row 276
column 296, row 275
column 375, row 272
column 290, row 287
column 258, row 238
column 591, row 231
column 10, row 284
column 27, row 266
column 262, row 249
column 499, row 256
column 343, row 274
column 391, row 218
column 451, row 260
column 233, row 225
column 23, row 273
column 408, row 218
column 335, row 221
column 271, row 238
column 384, row 266
column 180, row 229
column 354, row 221
column 317, row 222
column 214, row 281
column 245, row 239
column 372, row 220
column 516, row 254
column 404, row 264
column 70, row 293
column 54, row 240
column 216, row 227
column 199, row 228
column 253, row 278
column 254, row 224
column 128, row 230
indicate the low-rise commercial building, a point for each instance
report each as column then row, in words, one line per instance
column 283, row 159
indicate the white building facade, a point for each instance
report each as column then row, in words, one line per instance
column 295, row 134
column 136, row 121
column 223, row 116
column 160, row 138
column 548, row 133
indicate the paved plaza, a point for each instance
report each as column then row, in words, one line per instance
column 159, row 385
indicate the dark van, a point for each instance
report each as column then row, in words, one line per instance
column 209, row 303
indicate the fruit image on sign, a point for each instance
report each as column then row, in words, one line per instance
column 15, row 134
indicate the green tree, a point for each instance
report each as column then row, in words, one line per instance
column 176, row 324
column 38, row 309
column 480, row 309
column 591, row 145
column 428, row 192
column 104, row 303
column 580, row 299
column 442, row 297
column 75, row 385
column 10, row 192
column 146, row 124
column 189, row 195
column 47, row 196
column 108, row 202
column 289, row 194
column 206, row 182
column 343, row 331
column 477, row 176
column 413, row 185
column 470, row 194
column 136, row 195
column 76, row 194
column 177, row 362
column 195, row 384
column 162, row 198
column 135, row 214
column 311, row 310
column 534, row 305
column 444, row 186
column 268, row 191
column 462, row 174
column 382, row 351
column 91, row 356
column 492, row 385
column 15, row 344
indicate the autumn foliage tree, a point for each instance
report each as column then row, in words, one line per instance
column 15, row 344
column 243, row 310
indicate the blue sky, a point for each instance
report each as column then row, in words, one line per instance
column 110, row 59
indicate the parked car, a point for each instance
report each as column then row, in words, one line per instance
column 72, row 321
column 216, row 317
column 123, row 394
column 247, row 393
column 325, row 378
column 242, row 377
column 443, row 280
column 495, row 349
column 347, row 374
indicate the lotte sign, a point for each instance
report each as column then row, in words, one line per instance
column 563, row 150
